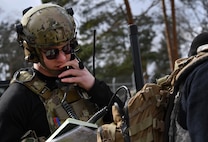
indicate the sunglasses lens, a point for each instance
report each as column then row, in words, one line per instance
column 67, row 49
column 52, row 54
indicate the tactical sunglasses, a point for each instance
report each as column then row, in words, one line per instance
column 53, row 53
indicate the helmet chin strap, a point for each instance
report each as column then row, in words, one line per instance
column 54, row 73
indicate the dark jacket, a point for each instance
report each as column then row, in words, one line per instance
column 193, row 115
column 22, row 110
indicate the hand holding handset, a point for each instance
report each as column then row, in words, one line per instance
column 81, row 66
column 68, row 108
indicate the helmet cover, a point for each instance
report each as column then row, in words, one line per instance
column 44, row 26
column 47, row 25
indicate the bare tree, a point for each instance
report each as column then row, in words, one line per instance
column 129, row 14
column 171, row 35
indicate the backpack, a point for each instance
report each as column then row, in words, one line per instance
column 145, row 116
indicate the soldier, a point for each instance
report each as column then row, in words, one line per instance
column 37, row 96
column 191, row 118
column 193, row 113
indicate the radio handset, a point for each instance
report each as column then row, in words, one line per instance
column 73, row 56
column 81, row 66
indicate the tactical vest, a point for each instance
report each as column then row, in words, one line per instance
column 60, row 103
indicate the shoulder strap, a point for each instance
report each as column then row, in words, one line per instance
column 182, row 68
column 190, row 64
column 27, row 77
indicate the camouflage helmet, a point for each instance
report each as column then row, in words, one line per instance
column 44, row 26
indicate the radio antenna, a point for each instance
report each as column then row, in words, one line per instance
column 94, row 46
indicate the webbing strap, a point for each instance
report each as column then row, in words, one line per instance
column 39, row 87
column 27, row 77
column 141, row 126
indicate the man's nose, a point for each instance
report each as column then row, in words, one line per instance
column 61, row 55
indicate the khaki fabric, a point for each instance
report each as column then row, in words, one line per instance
column 144, row 114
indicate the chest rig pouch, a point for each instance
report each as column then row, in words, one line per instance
column 60, row 103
